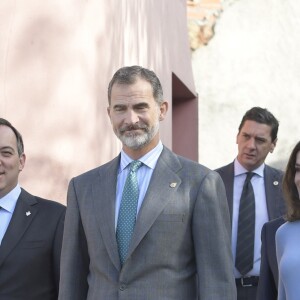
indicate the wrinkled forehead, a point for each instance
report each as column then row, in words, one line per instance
column 139, row 90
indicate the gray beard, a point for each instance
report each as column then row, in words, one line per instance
column 138, row 141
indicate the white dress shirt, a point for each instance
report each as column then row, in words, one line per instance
column 261, row 212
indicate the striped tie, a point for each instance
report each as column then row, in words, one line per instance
column 246, row 228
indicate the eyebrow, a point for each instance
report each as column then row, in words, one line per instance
column 7, row 148
column 141, row 104
column 119, row 105
column 136, row 105
column 259, row 137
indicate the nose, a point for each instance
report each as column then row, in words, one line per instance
column 132, row 117
column 251, row 143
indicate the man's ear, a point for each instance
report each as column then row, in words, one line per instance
column 273, row 145
column 22, row 159
column 236, row 139
column 108, row 111
column 163, row 110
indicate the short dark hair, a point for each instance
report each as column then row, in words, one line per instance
column 129, row 75
column 290, row 191
column 263, row 116
column 20, row 144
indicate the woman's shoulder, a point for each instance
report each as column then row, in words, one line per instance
column 288, row 228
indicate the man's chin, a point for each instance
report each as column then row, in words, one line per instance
column 250, row 165
column 134, row 142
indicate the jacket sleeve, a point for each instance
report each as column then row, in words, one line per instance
column 57, row 245
column 212, row 240
column 74, row 257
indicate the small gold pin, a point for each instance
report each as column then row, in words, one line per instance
column 28, row 213
column 173, row 184
column 275, row 182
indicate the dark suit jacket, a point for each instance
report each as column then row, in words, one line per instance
column 273, row 187
column 30, row 250
column 181, row 236
column 268, row 280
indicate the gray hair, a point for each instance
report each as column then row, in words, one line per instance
column 129, row 75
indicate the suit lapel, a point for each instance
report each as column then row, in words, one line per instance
column 227, row 174
column 23, row 215
column 163, row 175
column 275, row 203
column 153, row 204
column 104, row 188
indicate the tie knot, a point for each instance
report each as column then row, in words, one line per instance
column 249, row 176
column 134, row 165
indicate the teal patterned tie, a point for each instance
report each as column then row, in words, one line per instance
column 127, row 212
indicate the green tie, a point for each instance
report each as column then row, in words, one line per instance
column 127, row 212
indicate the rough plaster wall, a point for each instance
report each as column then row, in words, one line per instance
column 253, row 60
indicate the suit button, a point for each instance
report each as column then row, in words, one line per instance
column 122, row 287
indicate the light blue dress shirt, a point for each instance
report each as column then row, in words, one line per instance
column 8, row 204
column 144, row 174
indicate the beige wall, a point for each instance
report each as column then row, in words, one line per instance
column 56, row 59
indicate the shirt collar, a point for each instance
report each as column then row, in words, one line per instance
column 9, row 201
column 239, row 169
column 149, row 159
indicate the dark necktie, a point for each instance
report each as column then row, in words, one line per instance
column 246, row 228
column 127, row 212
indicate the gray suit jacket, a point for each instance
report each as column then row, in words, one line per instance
column 273, row 187
column 180, row 249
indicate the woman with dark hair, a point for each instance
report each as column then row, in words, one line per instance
column 288, row 235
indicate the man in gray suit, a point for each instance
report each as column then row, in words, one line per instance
column 256, row 138
column 179, row 245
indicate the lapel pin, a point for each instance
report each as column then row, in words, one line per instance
column 28, row 213
column 173, row 184
column 275, row 182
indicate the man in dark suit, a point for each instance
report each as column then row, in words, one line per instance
column 31, row 229
column 173, row 240
column 268, row 280
column 256, row 138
